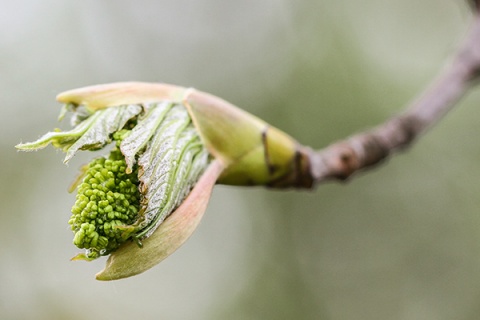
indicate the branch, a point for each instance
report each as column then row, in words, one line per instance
column 475, row 4
column 365, row 150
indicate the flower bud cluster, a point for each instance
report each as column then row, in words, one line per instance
column 107, row 201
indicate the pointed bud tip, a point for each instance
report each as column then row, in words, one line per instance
column 29, row 146
column 121, row 93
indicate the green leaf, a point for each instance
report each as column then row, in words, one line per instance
column 171, row 165
column 92, row 133
column 98, row 134
column 143, row 131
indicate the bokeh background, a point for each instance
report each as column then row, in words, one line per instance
column 401, row 242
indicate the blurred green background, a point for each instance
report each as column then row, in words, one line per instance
column 402, row 242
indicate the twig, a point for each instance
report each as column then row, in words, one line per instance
column 365, row 150
column 475, row 4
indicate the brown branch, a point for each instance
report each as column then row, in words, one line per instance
column 475, row 4
column 366, row 150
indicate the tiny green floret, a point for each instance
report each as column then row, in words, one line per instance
column 107, row 199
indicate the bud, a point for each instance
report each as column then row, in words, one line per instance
column 172, row 145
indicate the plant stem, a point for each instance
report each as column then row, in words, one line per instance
column 367, row 149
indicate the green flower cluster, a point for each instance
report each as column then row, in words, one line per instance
column 107, row 202
column 157, row 158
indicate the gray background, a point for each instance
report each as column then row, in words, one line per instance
column 402, row 242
